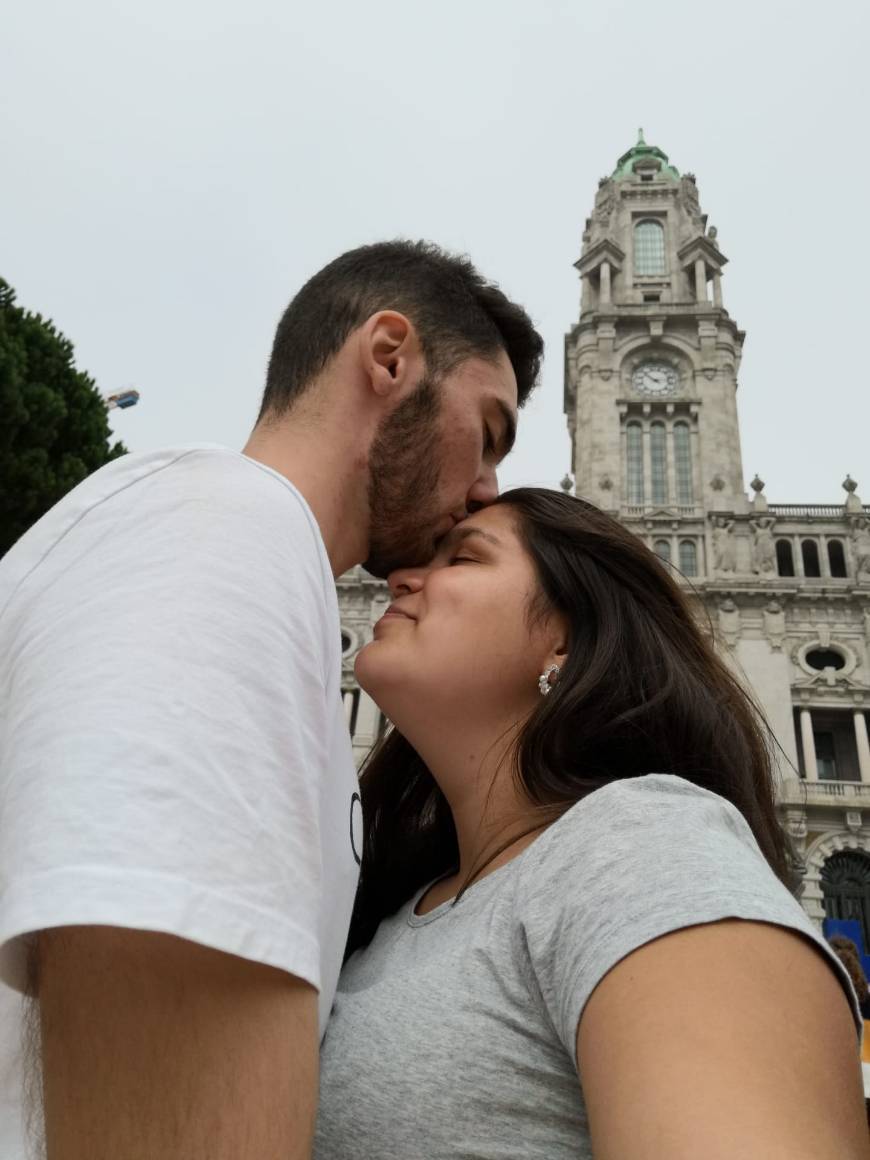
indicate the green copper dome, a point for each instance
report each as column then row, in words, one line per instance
column 641, row 152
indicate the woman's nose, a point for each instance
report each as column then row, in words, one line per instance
column 405, row 580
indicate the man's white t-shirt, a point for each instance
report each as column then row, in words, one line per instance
column 173, row 751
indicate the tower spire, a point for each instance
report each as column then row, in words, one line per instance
column 640, row 139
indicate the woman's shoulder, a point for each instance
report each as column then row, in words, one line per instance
column 639, row 833
column 627, row 807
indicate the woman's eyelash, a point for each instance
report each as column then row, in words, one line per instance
column 463, row 560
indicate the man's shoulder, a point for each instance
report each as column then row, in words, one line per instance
column 172, row 501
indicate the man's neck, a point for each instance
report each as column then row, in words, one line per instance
column 331, row 473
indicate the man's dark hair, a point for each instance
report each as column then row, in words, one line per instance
column 457, row 313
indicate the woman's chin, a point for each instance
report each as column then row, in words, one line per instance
column 371, row 672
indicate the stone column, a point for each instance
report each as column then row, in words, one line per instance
column 863, row 744
column 347, row 698
column 647, row 464
column 811, row 768
column 605, row 283
column 584, row 293
column 717, row 288
column 700, row 280
column 824, row 558
column 797, row 552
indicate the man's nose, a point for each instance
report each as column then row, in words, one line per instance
column 405, row 580
column 483, row 491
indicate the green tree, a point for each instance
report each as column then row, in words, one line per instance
column 54, row 427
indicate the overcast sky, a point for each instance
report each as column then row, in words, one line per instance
column 174, row 171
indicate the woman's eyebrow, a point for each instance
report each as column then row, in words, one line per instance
column 459, row 533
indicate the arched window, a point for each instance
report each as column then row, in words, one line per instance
column 837, row 558
column 649, row 248
column 634, row 462
column 658, row 453
column 846, row 889
column 784, row 558
column 662, row 549
column 810, row 553
column 688, row 558
column 683, row 463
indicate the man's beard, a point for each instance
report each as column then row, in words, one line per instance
column 404, row 473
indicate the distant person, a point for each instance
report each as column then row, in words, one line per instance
column 573, row 936
column 848, row 955
column 179, row 823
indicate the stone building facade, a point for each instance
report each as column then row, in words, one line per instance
column 651, row 376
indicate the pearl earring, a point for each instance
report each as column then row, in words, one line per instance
column 547, row 679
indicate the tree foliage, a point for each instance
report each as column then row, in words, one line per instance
column 54, row 427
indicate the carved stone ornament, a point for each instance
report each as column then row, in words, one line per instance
column 853, row 821
column 724, row 546
column 796, row 823
column 774, row 624
column 729, row 622
column 605, row 483
column 763, row 547
column 604, row 206
column 861, row 548
column 717, row 483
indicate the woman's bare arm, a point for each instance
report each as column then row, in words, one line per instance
column 728, row 1040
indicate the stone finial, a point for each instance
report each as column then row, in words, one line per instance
column 712, row 233
column 567, row 485
column 853, row 500
column 640, row 139
column 759, row 501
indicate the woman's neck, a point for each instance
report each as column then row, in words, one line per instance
column 474, row 769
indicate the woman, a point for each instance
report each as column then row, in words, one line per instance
column 573, row 775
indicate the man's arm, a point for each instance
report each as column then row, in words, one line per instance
column 731, row 1039
column 156, row 1048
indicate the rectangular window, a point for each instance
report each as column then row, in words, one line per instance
column 649, row 248
column 634, row 463
column 683, row 463
column 826, row 758
column 658, row 463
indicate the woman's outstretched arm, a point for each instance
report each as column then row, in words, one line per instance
column 728, row 1040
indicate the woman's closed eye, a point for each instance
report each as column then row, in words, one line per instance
column 462, row 560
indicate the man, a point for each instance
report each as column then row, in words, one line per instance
column 177, row 867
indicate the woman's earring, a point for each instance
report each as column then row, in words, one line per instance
column 547, row 679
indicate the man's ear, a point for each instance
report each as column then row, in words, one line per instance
column 390, row 352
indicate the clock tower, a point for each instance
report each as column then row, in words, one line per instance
column 651, row 365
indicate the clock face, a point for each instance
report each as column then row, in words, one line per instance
column 655, row 378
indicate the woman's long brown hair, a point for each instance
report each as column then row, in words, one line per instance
column 642, row 691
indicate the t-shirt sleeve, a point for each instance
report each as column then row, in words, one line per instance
column 167, row 724
column 636, row 860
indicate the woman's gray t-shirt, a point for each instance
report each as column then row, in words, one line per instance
column 454, row 1033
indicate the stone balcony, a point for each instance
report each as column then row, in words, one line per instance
column 848, row 794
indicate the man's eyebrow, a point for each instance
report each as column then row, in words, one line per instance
column 510, row 428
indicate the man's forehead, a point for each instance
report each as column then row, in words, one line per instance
column 493, row 375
